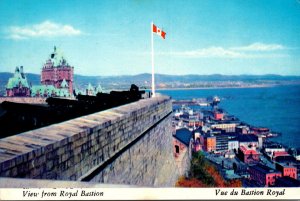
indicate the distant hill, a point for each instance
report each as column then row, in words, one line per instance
column 143, row 80
column 182, row 78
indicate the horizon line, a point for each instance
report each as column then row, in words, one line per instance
column 266, row 74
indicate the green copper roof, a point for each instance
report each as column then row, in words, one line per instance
column 57, row 58
column 42, row 89
column 99, row 89
column 78, row 91
column 49, row 90
column 62, row 92
column 90, row 87
column 18, row 78
column 64, row 84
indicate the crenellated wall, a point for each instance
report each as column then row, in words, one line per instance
column 130, row 144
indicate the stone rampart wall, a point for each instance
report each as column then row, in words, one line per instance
column 130, row 144
column 35, row 100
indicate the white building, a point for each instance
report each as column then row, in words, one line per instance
column 233, row 145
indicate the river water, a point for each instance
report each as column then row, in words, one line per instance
column 277, row 108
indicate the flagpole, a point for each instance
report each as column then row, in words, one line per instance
column 153, row 85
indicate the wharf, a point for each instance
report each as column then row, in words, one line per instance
column 200, row 102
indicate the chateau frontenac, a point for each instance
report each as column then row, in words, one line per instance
column 56, row 79
column 57, row 72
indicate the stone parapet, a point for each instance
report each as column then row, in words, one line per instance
column 38, row 183
column 32, row 100
column 130, row 144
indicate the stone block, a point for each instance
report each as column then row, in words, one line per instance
column 10, row 163
column 19, row 159
column 73, row 177
column 14, row 172
column 63, row 142
column 22, row 168
column 40, row 161
column 51, row 155
column 6, row 173
column 51, row 175
column 49, row 165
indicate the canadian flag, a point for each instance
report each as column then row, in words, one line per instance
column 157, row 30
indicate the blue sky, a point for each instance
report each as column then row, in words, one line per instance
column 113, row 37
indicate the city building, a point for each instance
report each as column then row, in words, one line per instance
column 286, row 182
column 181, row 141
column 229, row 154
column 57, row 72
column 279, row 154
column 221, row 142
column 218, row 114
column 197, row 146
column 248, row 140
column 273, row 148
column 287, row 169
column 242, row 129
column 228, row 127
column 233, row 144
column 274, row 151
column 195, row 123
column 197, row 134
column 208, row 142
column 18, row 84
column 248, row 155
column 263, row 175
column 295, row 152
column 259, row 131
column 261, row 140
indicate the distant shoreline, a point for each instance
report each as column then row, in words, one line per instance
column 195, row 88
column 229, row 87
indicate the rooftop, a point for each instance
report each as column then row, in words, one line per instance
column 287, row 182
column 248, row 138
column 57, row 58
column 265, row 169
column 284, row 159
column 286, row 164
column 183, row 135
column 18, row 78
column 208, row 135
column 49, row 90
column 64, row 84
column 280, row 153
column 247, row 151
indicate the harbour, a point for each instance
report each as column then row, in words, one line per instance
column 239, row 150
column 277, row 108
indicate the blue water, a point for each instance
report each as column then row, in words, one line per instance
column 277, row 108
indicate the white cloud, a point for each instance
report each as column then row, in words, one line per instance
column 44, row 29
column 215, row 52
column 259, row 47
column 255, row 50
